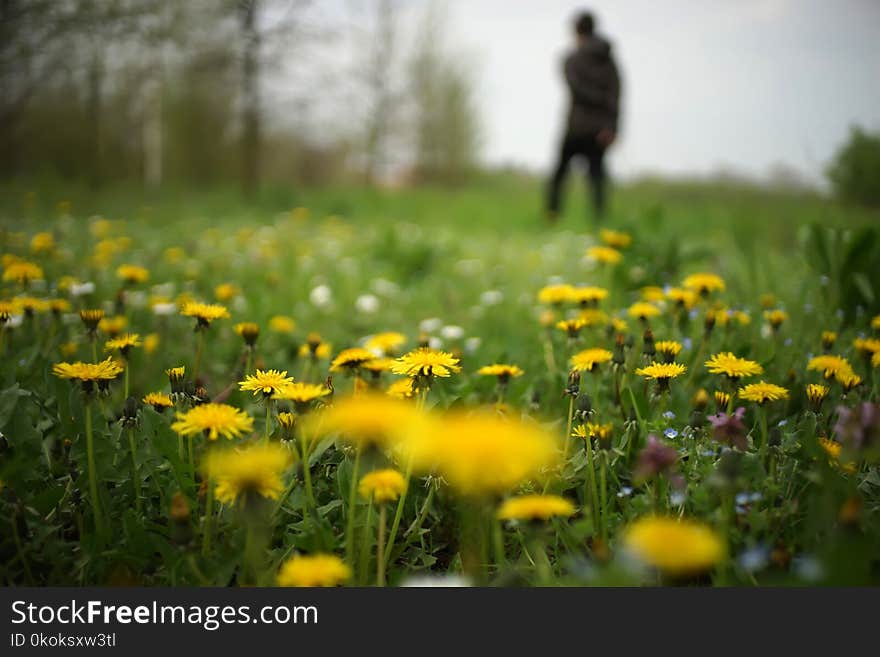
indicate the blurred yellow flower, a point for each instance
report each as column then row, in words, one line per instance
column 385, row 344
column 589, row 295
column 205, row 313
column 703, row 283
column 123, row 343
column 22, row 272
column 255, row 470
column 368, row 419
column 615, row 239
column 677, row 547
column 349, row 360
column 158, row 400
column 313, row 570
column 282, row 324
column 248, row 331
column 382, row 485
column 303, row 393
column 482, row 454
column 604, row 255
column 535, row 507
column 132, row 274
column 643, row 310
column 555, row 295
column 42, row 243
column 503, row 372
column 226, row 292
column 830, row 365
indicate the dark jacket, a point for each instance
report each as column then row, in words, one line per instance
column 594, row 84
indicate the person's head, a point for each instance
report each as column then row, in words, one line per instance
column 584, row 23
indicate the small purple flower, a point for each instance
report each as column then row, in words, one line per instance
column 655, row 458
column 670, row 433
column 729, row 429
column 859, row 428
column 687, row 344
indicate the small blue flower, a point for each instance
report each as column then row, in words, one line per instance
column 787, row 342
column 808, row 568
column 677, row 498
column 693, row 314
column 625, row 491
column 707, row 452
column 754, row 559
column 742, row 498
column 670, row 433
column 781, row 423
column 687, row 343
column 669, row 415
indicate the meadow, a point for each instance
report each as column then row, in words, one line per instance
column 433, row 387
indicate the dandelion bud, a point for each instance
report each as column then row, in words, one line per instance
column 424, row 340
column 574, row 383
column 618, row 356
column 700, row 399
column 91, row 319
column 722, row 400
column 851, row 511
column 181, row 532
column 175, row 378
column 130, row 411
column 709, row 322
column 828, row 340
column 649, row 350
column 249, row 332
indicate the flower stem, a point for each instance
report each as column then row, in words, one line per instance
column 603, row 512
column 380, row 549
column 591, row 484
column 93, row 484
column 198, row 362
column 134, row 473
column 567, row 445
column 398, row 513
column 268, row 420
column 367, row 538
column 209, row 519
column 352, row 499
column 192, row 462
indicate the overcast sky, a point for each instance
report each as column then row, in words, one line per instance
column 707, row 83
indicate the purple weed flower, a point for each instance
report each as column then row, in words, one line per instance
column 655, row 458
column 729, row 429
column 859, row 428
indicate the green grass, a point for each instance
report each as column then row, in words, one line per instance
column 474, row 258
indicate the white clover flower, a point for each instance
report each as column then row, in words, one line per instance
column 367, row 303
column 472, row 344
column 491, row 297
column 81, row 289
column 452, row 332
column 435, row 343
column 164, row 309
column 436, row 581
column 430, row 325
column 321, row 296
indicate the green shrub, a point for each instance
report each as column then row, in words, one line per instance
column 855, row 172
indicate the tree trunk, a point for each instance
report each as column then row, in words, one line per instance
column 250, row 92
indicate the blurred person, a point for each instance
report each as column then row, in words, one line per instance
column 594, row 85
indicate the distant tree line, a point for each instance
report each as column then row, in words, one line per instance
column 156, row 91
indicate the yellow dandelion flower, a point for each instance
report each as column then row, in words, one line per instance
column 214, row 419
column 830, row 365
column 151, row 343
column 282, row 324
column 615, row 239
column 173, row 255
column 682, row 297
column 816, row 394
column 762, row 392
column 643, row 311
column 503, row 372
column 106, row 370
column 848, row 379
column 113, row 326
column 722, row 399
column 875, row 322
column 378, row 365
column 303, row 393
column 313, row 570
column 652, row 293
column 555, row 295
column 314, row 348
column 669, row 349
column 571, row 327
column 482, row 454
column 662, row 372
column 91, row 318
column 22, row 272
column 59, row 306
column 386, row 343
column 158, row 400
column 204, row 313
column 605, row 255
column 866, row 346
column 255, row 470
column 775, row 317
column 733, row 366
column 269, row 383
column 123, row 343
column 828, row 339
column 226, row 292
column 247, row 331
column 382, row 485
column 349, row 360
column 875, row 360
column 593, row 317
column 402, row 389
column 368, row 419
column 703, row 283
column 833, row 450
column 43, row 243
column 535, row 507
column 426, row 363
column 588, row 359
column 132, row 274
column 674, row 546
column 588, row 295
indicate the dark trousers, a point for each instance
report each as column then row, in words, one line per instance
column 589, row 148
